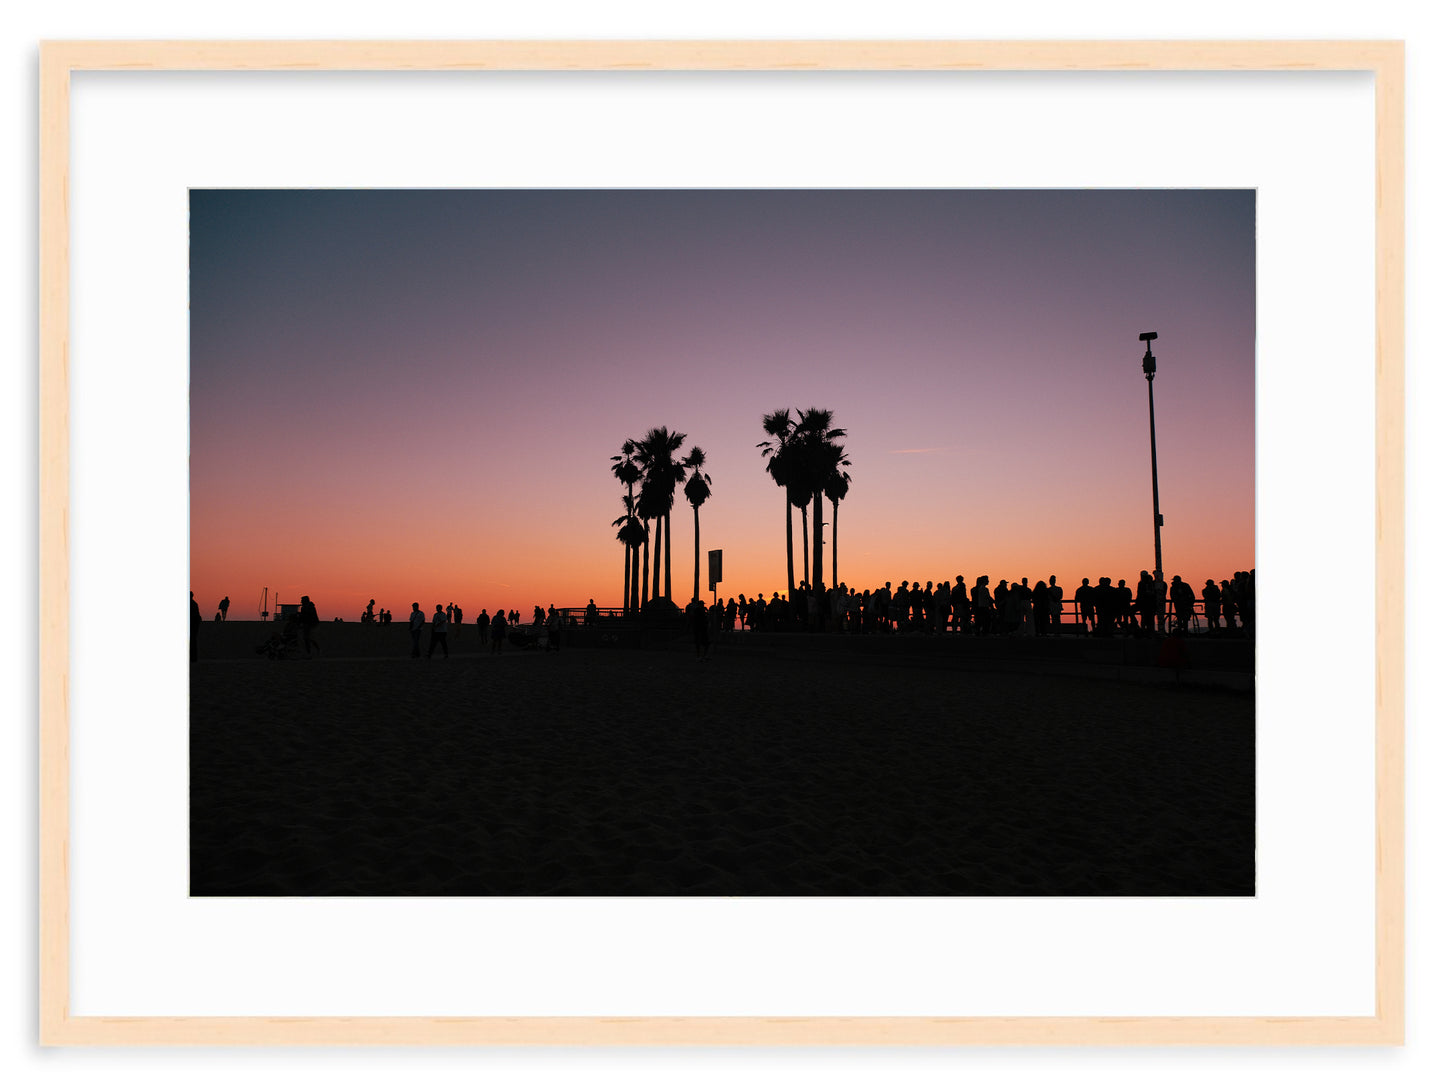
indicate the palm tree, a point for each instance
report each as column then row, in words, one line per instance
column 819, row 458
column 697, row 491
column 633, row 536
column 778, row 450
column 661, row 475
column 835, row 490
column 624, row 467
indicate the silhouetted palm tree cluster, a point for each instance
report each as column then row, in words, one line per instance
column 805, row 459
column 651, row 471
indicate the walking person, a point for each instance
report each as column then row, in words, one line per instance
column 439, row 634
column 225, row 606
column 418, row 620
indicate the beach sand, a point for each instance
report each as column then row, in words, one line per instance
column 596, row 772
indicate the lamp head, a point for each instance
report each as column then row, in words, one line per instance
column 1148, row 338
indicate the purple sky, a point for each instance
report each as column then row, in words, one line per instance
column 415, row 394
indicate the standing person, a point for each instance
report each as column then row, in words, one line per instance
column 958, row 605
column 1211, row 605
column 1056, row 606
column 1043, row 605
column 941, row 607
column 457, row 618
column 225, row 606
column 1103, row 594
column 499, row 631
column 484, row 625
column 1084, row 606
column 418, row 620
column 697, row 619
column 309, row 621
column 589, row 617
column 195, row 627
column 1182, row 597
column 982, row 608
column 439, row 634
column 1227, row 604
column 554, row 629
column 1144, row 600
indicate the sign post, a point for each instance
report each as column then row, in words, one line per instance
column 714, row 572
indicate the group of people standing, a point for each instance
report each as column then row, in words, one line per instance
column 1017, row 609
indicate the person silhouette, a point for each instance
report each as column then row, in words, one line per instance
column 225, row 606
column 499, row 631
column 554, row 629
column 1084, row 606
column 982, row 607
column 309, row 621
column 1104, row 606
column 195, row 627
column 1144, row 601
column 697, row 619
column 1211, row 596
column 439, row 634
column 589, row 617
column 1182, row 597
column 418, row 620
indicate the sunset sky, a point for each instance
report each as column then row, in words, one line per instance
column 415, row 395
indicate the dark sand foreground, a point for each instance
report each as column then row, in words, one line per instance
column 608, row 772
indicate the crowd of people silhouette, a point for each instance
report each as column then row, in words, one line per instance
column 1107, row 608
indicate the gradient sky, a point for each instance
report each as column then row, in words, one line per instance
column 415, row 395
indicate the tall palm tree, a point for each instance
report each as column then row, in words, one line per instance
column 778, row 450
column 819, row 456
column 661, row 476
column 835, row 490
column 624, row 467
column 633, row 536
column 697, row 490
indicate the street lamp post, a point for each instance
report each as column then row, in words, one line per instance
column 1147, row 338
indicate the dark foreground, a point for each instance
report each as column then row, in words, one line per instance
column 607, row 773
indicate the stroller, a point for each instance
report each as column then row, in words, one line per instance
column 285, row 644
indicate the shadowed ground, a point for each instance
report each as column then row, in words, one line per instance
column 602, row 773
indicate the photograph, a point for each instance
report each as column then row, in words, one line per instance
column 1001, row 642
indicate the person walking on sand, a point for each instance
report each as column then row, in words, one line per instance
column 225, row 606
column 499, row 631
column 418, row 620
column 439, row 634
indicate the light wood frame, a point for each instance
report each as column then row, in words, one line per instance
column 58, row 59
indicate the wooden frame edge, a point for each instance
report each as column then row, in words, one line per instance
column 59, row 58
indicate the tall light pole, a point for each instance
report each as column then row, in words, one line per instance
column 1147, row 338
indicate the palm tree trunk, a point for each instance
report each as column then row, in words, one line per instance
column 635, row 579
column 818, row 554
column 646, row 554
column 835, row 542
column 788, row 508
column 657, row 562
column 626, row 573
column 667, row 579
column 696, row 555
column 806, row 578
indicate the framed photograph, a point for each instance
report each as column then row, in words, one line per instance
column 392, row 352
